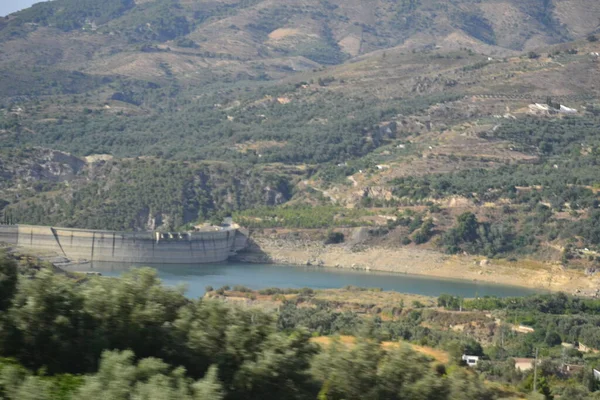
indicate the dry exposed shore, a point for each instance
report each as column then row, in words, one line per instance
column 276, row 249
column 412, row 260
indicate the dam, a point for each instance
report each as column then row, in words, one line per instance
column 210, row 245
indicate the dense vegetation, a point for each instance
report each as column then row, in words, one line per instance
column 326, row 127
column 146, row 193
column 569, row 151
column 480, row 238
column 68, row 15
column 553, row 319
column 532, row 194
column 234, row 106
column 133, row 338
column 301, row 217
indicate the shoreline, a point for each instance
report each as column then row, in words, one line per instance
column 421, row 262
column 405, row 260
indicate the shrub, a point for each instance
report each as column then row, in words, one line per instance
column 270, row 291
column 334, row 238
column 185, row 42
column 240, row 288
column 306, row 291
column 419, row 237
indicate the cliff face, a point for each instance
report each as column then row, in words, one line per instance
column 46, row 187
column 39, row 165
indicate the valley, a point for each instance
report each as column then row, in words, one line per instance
column 464, row 131
column 393, row 199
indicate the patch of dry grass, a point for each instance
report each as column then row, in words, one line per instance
column 350, row 341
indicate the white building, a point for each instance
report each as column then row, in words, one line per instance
column 470, row 360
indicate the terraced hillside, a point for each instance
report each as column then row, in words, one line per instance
column 412, row 113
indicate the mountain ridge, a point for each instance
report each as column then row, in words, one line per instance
column 396, row 116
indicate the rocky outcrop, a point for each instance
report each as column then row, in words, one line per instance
column 273, row 197
column 42, row 165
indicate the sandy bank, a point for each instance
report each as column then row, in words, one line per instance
column 412, row 260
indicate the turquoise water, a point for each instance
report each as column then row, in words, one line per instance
column 260, row 276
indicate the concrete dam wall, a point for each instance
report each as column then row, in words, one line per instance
column 135, row 247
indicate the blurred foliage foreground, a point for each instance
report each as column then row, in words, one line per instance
column 67, row 337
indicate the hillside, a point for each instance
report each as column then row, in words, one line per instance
column 126, row 78
column 83, row 46
column 66, row 336
column 400, row 116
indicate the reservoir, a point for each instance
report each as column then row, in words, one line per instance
column 261, row 276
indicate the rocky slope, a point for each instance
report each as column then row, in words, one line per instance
column 308, row 248
column 44, row 186
column 200, row 108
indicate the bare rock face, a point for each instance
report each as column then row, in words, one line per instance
column 273, row 197
column 379, row 192
column 44, row 164
column 359, row 235
column 373, row 192
column 153, row 221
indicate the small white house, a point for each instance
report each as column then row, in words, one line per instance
column 470, row 360
column 597, row 374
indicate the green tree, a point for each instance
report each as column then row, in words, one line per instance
column 553, row 339
column 367, row 372
column 279, row 370
column 406, row 374
column 16, row 383
column 424, row 233
column 466, row 385
column 209, row 387
column 349, row 374
column 8, row 281
column 133, row 312
column 48, row 326
column 252, row 358
column 120, row 378
column 467, row 227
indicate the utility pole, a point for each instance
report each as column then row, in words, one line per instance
column 535, row 371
